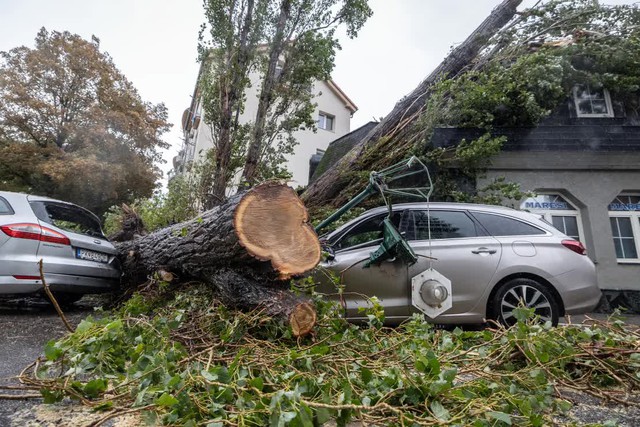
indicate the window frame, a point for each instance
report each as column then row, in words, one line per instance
column 40, row 209
column 8, row 205
column 322, row 121
column 480, row 231
column 634, row 217
column 607, row 101
column 548, row 214
column 335, row 240
column 523, row 221
column 549, row 218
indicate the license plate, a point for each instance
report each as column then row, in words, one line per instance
column 91, row 255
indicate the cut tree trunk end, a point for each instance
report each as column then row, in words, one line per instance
column 245, row 248
column 272, row 224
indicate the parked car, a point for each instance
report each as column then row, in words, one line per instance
column 77, row 258
column 495, row 257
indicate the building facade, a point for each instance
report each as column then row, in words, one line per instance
column 583, row 163
column 333, row 114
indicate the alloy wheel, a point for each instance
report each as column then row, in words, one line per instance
column 526, row 296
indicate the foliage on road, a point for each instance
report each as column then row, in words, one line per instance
column 73, row 127
column 182, row 358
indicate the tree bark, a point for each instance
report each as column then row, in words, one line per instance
column 231, row 105
column 246, row 249
column 327, row 188
column 249, row 175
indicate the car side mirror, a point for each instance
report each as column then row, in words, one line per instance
column 328, row 253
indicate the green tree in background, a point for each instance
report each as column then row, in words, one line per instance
column 73, row 127
column 290, row 44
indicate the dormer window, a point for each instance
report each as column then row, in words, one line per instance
column 325, row 121
column 592, row 102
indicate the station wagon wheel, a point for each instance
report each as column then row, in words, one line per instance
column 530, row 294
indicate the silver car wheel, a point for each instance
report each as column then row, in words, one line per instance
column 527, row 296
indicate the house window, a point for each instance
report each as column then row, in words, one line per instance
column 558, row 211
column 592, row 102
column 624, row 214
column 325, row 121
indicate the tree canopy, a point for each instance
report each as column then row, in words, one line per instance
column 289, row 44
column 73, row 127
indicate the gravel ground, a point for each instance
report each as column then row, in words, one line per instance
column 26, row 326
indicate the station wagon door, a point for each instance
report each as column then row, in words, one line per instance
column 463, row 253
column 387, row 281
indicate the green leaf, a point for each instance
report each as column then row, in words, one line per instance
column 51, row 396
column 95, row 388
column 174, row 381
column 166, row 400
column 51, row 351
column 323, row 415
column 320, row 350
column 500, row 416
column 439, row 411
column 366, row 375
column 84, row 325
column 257, row 383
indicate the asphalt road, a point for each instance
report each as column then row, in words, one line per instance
column 26, row 326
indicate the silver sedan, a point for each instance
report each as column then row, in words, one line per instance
column 496, row 259
column 76, row 257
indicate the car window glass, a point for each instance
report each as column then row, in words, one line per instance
column 5, row 208
column 444, row 225
column 68, row 217
column 498, row 225
column 369, row 230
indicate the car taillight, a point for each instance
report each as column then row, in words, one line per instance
column 575, row 246
column 35, row 232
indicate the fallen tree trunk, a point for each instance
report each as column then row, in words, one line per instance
column 328, row 188
column 246, row 248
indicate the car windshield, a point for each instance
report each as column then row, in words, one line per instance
column 68, row 217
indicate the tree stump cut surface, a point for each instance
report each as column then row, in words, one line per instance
column 272, row 224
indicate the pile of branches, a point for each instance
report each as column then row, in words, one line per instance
column 180, row 357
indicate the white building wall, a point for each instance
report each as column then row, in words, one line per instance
column 309, row 142
column 199, row 140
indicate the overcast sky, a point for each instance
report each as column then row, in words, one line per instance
column 153, row 42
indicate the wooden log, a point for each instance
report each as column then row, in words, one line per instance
column 328, row 188
column 246, row 248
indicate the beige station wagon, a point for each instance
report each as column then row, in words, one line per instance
column 496, row 258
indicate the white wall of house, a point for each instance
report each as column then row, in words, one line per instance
column 309, row 142
column 330, row 102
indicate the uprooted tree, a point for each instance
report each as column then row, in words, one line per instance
column 513, row 70
column 246, row 249
column 212, row 248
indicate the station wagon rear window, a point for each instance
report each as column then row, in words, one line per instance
column 5, row 207
column 498, row 225
column 68, row 217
